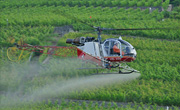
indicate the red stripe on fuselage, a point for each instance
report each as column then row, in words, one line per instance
column 84, row 56
column 119, row 59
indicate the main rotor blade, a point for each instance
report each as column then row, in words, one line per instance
column 174, row 28
column 86, row 32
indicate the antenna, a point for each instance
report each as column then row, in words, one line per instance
column 120, row 37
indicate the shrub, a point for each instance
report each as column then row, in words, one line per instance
column 32, row 41
column 166, row 14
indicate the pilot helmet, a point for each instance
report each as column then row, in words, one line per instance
column 116, row 43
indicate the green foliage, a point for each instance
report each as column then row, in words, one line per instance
column 165, row 4
column 157, row 60
column 36, row 23
column 175, row 13
column 140, row 4
column 32, row 35
column 166, row 14
column 32, row 41
column 175, row 2
column 132, row 3
column 104, row 3
column 72, row 105
column 43, row 56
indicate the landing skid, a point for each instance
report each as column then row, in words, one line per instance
column 120, row 72
column 127, row 69
column 120, row 68
column 89, row 68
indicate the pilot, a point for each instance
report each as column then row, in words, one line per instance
column 116, row 49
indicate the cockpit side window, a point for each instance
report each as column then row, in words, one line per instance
column 126, row 48
column 112, row 47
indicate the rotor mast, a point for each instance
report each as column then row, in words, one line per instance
column 99, row 33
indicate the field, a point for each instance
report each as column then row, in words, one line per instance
column 33, row 85
column 104, row 3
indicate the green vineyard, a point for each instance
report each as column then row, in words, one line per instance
column 104, row 3
column 24, row 85
column 49, row 17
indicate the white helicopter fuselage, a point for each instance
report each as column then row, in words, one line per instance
column 103, row 52
column 100, row 53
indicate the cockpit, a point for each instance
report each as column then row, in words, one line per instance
column 118, row 47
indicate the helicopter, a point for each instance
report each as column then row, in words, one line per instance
column 108, row 53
